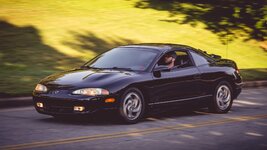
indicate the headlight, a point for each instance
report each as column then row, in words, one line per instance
column 91, row 91
column 40, row 88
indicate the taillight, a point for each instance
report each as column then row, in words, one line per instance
column 236, row 68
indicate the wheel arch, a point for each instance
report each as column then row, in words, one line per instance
column 142, row 89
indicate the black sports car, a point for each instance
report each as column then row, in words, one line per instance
column 134, row 79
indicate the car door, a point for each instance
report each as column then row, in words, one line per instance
column 176, row 85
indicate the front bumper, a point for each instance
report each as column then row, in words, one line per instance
column 64, row 104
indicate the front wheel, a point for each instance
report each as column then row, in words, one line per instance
column 222, row 98
column 132, row 105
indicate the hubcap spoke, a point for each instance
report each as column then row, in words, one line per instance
column 130, row 114
column 137, row 109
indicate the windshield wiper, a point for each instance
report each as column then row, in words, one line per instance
column 122, row 68
column 89, row 67
column 115, row 68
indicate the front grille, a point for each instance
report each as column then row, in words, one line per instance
column 58, row 103
column 55, row 92
column 61, row 105
column 59, row 87
column 59, row 109
column 58, row 106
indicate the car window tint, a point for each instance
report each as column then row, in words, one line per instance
column 133, row 58
column 180, row 53
column 198, row 59
column 182, row 60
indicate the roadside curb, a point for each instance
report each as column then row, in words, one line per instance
column 254, row 84
column 27, row 101
column 15, row 102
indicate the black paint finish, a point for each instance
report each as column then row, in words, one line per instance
column 193, row 84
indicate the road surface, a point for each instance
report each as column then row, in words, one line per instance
column 244, row 127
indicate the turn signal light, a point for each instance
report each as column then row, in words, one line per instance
column 78, row 108
column 110, row 100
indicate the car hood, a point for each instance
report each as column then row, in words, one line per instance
column 88, row 77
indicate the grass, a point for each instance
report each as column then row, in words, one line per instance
column 254, row 74
column 38, row 38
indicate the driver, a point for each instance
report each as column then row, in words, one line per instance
column 169, row 59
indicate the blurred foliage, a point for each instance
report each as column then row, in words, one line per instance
column 254, row 74
column 38, row 38
column 91, row 42
column 25, row 58
column 223, row 17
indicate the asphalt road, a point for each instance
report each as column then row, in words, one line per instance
column 244, row 127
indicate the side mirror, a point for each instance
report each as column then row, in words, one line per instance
column 161, row 68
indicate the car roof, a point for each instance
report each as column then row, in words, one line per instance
column 163, row 47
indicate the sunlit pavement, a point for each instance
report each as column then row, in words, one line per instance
column 245, row 127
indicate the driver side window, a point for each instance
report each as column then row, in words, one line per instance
column 176, row 59
column 183, row 60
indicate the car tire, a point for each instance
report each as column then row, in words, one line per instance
column 222, row 99
column 132, row 106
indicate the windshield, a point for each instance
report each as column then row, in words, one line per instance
column 124, row 58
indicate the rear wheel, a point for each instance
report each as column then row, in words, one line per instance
column 222, row 98
column 132, row 106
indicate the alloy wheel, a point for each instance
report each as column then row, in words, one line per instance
column 132, row 106
column 223, row 97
